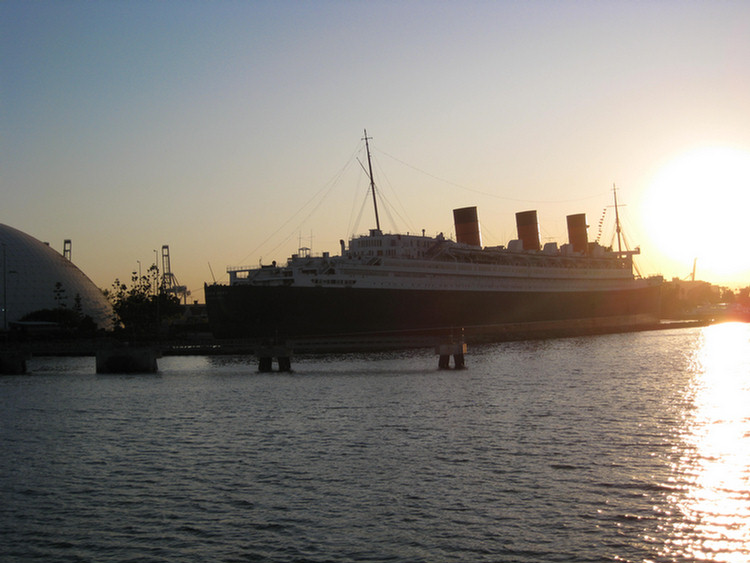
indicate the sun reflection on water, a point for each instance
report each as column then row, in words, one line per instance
column 710, row 518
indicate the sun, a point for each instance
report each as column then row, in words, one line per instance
column 697, row 207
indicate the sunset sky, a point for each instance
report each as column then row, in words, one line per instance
column 231, row 130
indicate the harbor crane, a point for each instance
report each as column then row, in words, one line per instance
column 169, row 283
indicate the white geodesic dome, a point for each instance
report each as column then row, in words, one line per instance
column 29, row 273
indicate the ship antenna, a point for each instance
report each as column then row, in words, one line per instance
column 617, row 221
column 372, row 182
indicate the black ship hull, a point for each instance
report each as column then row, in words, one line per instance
column 284, row 314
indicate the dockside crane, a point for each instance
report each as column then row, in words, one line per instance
column 169, row 283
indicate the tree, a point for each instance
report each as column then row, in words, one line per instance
column 60, row 297
column 139, row 310
column 70, row 322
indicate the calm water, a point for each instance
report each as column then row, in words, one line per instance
column 631, row 447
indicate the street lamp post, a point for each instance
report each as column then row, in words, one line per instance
column 5, row 291
column 157, row 291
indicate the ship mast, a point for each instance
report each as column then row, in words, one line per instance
column 372, row 182
column 618, row 229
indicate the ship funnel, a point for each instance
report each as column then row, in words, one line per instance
column 467, row 226
column 528, row 229
column 577, row 235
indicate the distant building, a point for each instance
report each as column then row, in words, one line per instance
column 692, row 299
column 695, row 291
column 34, row 276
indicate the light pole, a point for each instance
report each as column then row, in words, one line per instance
column 5, row 292
column 157, row 291
column 156, row 270
column 5, row 286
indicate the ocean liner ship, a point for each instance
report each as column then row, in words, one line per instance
column 403, row 289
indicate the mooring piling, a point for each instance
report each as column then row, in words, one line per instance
column 266, row 355
column 455, row 349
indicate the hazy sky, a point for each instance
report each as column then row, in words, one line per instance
column 230, row 130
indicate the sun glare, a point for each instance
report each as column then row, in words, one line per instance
column 698, row 207
column 713, row 468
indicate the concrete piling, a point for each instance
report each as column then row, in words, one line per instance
column 455, row 349
column 12, row 362
column 266, row 355
column 127, row 359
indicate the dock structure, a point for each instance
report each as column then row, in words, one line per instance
column 446, row 343
column 114, row 357
column 282, row 352
column 13, row 362
column 455, row 349
column 127, row 359
column 266, row 355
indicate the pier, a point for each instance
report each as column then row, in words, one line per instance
column 445, row 351
column 13, row 362
column 113, row 357
column 266, row 355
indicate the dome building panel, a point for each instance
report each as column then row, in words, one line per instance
column 30, row 273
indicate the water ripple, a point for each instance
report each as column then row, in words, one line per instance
column 616, row 448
